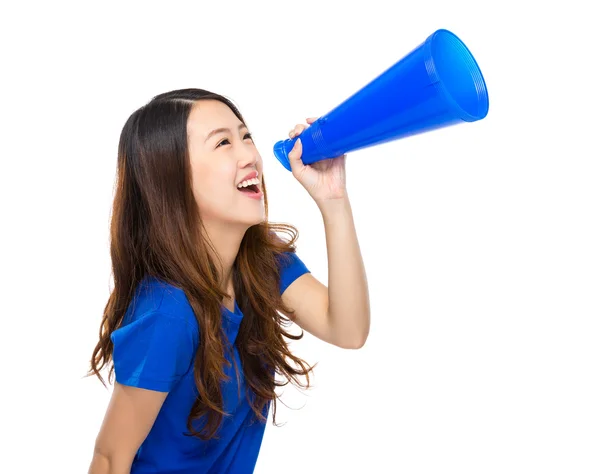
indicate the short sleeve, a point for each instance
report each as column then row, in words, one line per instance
column 153, row 352
column 290, row 267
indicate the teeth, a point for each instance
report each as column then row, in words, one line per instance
column 248, row 182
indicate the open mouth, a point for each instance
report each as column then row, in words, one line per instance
column 252, row 188
column 249, row 186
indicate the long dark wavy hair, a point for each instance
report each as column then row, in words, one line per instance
column 153, row 231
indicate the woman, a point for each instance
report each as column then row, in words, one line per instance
column 204, row 286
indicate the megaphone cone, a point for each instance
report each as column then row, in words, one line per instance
column 436, row 85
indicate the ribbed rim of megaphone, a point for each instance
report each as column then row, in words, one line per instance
column 281, row 155
column 469, row 65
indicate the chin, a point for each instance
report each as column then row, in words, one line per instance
column 255, row 221
column 249, row 221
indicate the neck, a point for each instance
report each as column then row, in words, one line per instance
column 226, row 240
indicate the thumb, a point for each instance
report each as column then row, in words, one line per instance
column 295, row 156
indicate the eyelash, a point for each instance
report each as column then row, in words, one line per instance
column 247, row 135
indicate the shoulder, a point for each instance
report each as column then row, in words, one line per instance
column 158, row 302
column 291, row 267
column 158, row 338
column 154, row 330
column 154, row 350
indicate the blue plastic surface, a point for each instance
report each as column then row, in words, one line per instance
column 436, row 85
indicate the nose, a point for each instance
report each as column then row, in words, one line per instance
column 248, row 156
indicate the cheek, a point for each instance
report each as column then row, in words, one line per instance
column 212, row 184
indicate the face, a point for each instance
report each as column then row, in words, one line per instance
column 222, row 155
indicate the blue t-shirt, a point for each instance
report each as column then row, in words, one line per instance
column 154, row 349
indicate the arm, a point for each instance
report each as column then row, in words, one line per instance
column 349, row 311
column 338, row 314
column 129, row 417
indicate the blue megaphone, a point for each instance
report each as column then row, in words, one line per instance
column 436, row 85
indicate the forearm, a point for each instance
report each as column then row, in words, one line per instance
column 349, row 308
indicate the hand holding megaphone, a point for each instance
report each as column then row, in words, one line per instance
column 324, row 180
column 436, row 85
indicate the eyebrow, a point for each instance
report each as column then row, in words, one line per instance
column 222, row 130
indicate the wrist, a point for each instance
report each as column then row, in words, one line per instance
column 334, row 207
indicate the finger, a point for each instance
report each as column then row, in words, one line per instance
column 297, row 130
column 295, row 156
column 311, row 120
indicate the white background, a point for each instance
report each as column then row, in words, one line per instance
column 481, row 241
